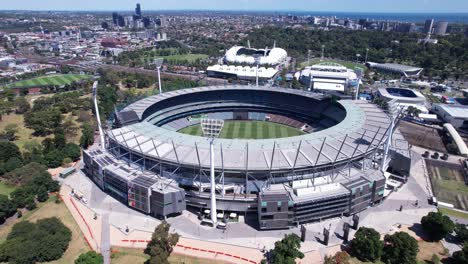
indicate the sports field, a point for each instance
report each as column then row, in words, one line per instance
column 248, row 130
column 56, row 79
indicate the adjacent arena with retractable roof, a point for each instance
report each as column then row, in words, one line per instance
column 331, row 168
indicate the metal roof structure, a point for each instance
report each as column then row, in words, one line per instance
column 397, row 68
column 361, row 131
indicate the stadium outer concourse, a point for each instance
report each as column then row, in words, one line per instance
column 333, row 169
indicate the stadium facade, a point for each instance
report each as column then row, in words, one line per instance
column 334, row 169
column 328, row 76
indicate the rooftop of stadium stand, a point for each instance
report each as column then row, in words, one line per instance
column 399, row 93
column 395, row 67
column 363, row 124
column 457, row 111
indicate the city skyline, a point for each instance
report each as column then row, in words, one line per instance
column 368, row 6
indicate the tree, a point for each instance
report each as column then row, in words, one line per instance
column 90, row 257
column 9, row 133
column 461, row 256
column 54, row 158
column 7, row 208
column 462, row 232
column 43, row 241
column 287, row 250
column 42, row 194
column 9, row 150
column 400, row 248
column 59, row 139
column 22, row 105
column 366, row 245
column 72, row 151
column 437, row 225
column 43, row 122
column 87, row 136
column 161, row 245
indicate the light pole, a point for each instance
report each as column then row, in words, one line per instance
column 257, row 58
column 359, row 77
column 158, row 62
column 308, row 58
column 367, row 52
column 98, row 117
column 323, row 49
column 211, row 129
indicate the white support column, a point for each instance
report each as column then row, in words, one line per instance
column 159, row 80
column 213, row 184
column 98, row 117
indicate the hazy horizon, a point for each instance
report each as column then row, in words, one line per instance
column 339, row 6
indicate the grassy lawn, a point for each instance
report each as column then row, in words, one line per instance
column 248, row 130
column 453, row 213
column 51, row 209
column 188, row 57
column 6, row 189
column 134, row 255
column 57, row 79
column 24, row 134
column 453, row 186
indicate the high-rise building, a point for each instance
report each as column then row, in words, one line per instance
column 428, row 26
column 115, row 17
column 138, row 11
column 441, row 28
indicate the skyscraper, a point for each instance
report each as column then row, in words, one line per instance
column 428, row 26
column 441, row 28
column 138, row 11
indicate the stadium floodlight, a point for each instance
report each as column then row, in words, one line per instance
column 98, row 118
column 211, row 129
column 393, row 109
column 359, row 77
column 257, row 58
column 367, row 53
column 158, row 62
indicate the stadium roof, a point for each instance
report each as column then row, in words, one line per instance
column 397, row 68
column 271, row 56
column 456, row 111
column 361, row 130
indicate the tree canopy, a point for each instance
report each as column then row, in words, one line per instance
column 287, row 250
column 400, row 248
column 161, row 245
column 45, row 240
column 366, row 245
column 437, row 225
column 90, row 257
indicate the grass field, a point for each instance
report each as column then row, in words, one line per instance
column 51, row 209
column 448, row 184
column 24, row 134
column 248, row 130
column 188, row 57
column 57, row 79
column 6, row 189
column 453, row 213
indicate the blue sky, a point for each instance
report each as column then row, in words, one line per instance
column 458, row 6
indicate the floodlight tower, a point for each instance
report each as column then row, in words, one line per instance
column 211, row 129
column 98, row 117
column 308, row 57
column 158, row 62
column 257, row 58
column 393, row 111
column 359, row 77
